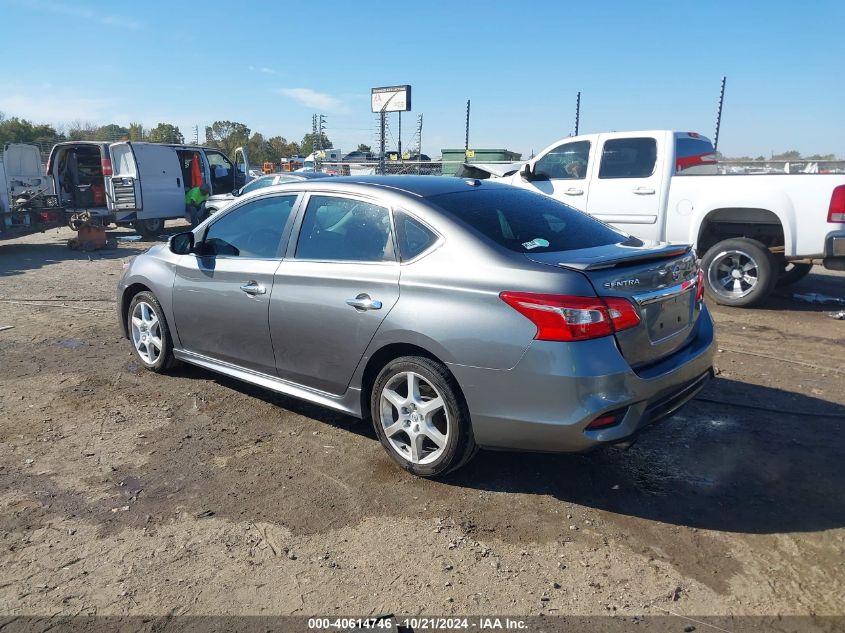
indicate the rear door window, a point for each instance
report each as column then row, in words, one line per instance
column 628, row 158
column 524, row 221
column 344, row 229
column 414, row 237
column 253, row 230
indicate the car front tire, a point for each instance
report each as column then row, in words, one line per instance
column 149, row 333
column 420, row 417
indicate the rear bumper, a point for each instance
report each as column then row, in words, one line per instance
column 834, row 250
column 546, row 402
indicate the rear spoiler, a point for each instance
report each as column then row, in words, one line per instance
column 598, row 259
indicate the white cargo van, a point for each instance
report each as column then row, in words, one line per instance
column 27, row 201
column 139, row 183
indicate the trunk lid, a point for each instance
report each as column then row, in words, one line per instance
column 659, row 279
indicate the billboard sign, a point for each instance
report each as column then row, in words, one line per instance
column 391, row 99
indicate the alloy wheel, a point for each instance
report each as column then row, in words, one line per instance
column 146, row 333
column 733, row 274
column 414, row 418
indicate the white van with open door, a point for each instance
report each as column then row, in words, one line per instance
column 27, row 200
column 139, row 183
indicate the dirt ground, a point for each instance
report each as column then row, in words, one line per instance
column 124, row 492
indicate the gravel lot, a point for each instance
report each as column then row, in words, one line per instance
column 124, row 492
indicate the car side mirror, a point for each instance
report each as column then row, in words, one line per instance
column 527, row 173
column 236, row 192
column 182, row 243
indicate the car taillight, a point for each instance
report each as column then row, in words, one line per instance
column 699, row 289
column 105, row 163
column 565, row 318
column 836, row 210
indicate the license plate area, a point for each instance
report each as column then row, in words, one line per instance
column 668, row 317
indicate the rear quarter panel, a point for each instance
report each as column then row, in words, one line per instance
column 800, row 201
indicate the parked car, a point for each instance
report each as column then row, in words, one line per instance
column 490, row 316
column 358, row 156
column 753, row 232
column 219, row 201
column 139, row 183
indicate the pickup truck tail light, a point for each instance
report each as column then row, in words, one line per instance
column 105, row 163
column 566, row 318
column 836, row 211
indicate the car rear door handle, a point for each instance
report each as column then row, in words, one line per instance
column 572, row 191
column 253, row 288
column 643, row 191
column 363, row 302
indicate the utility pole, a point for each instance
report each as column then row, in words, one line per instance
column 719, row 114
column 381, row 143
column 466, row 139
column 577, row 112
column 321, row 131
column 419, row 141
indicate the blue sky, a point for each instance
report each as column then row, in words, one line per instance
column 638, row 65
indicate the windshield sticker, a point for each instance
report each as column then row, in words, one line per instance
column 537, row 242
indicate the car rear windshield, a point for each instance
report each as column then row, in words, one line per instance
column 526, row 222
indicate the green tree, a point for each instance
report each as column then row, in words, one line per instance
column 82, row 131
column 257, row 149
column 111, row 132
column 278, row 147
column 310, row 142
column 165, row 133
column 227, row 136
column 136, row 131
column 364, row 148
column 792, row 154
column 15, row 130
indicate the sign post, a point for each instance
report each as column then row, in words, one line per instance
column 389, row 99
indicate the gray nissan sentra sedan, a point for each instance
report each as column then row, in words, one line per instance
column 457, row 314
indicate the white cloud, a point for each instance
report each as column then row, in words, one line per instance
column 314, row 99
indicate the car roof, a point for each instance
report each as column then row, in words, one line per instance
column 418, row 186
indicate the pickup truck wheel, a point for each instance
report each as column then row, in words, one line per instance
column 739, row 272
column 792, row 273
column 420, row 417
column 149, row 229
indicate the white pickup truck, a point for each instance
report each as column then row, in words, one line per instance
column 753, row 232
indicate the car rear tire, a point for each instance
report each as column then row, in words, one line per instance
column 149, row 229
column 149, row 333
column 739, row 272
column 420, row 417
column 792, row 273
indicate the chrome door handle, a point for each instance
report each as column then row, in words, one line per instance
column 572, row 191
column 363, row 302
column 253, row 288
column 643, row 191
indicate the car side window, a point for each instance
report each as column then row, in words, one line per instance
column 253, row 230
column 342, row 229
column 414, row 237
column 628, row 158
column 567, row 161
column 258, row 183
